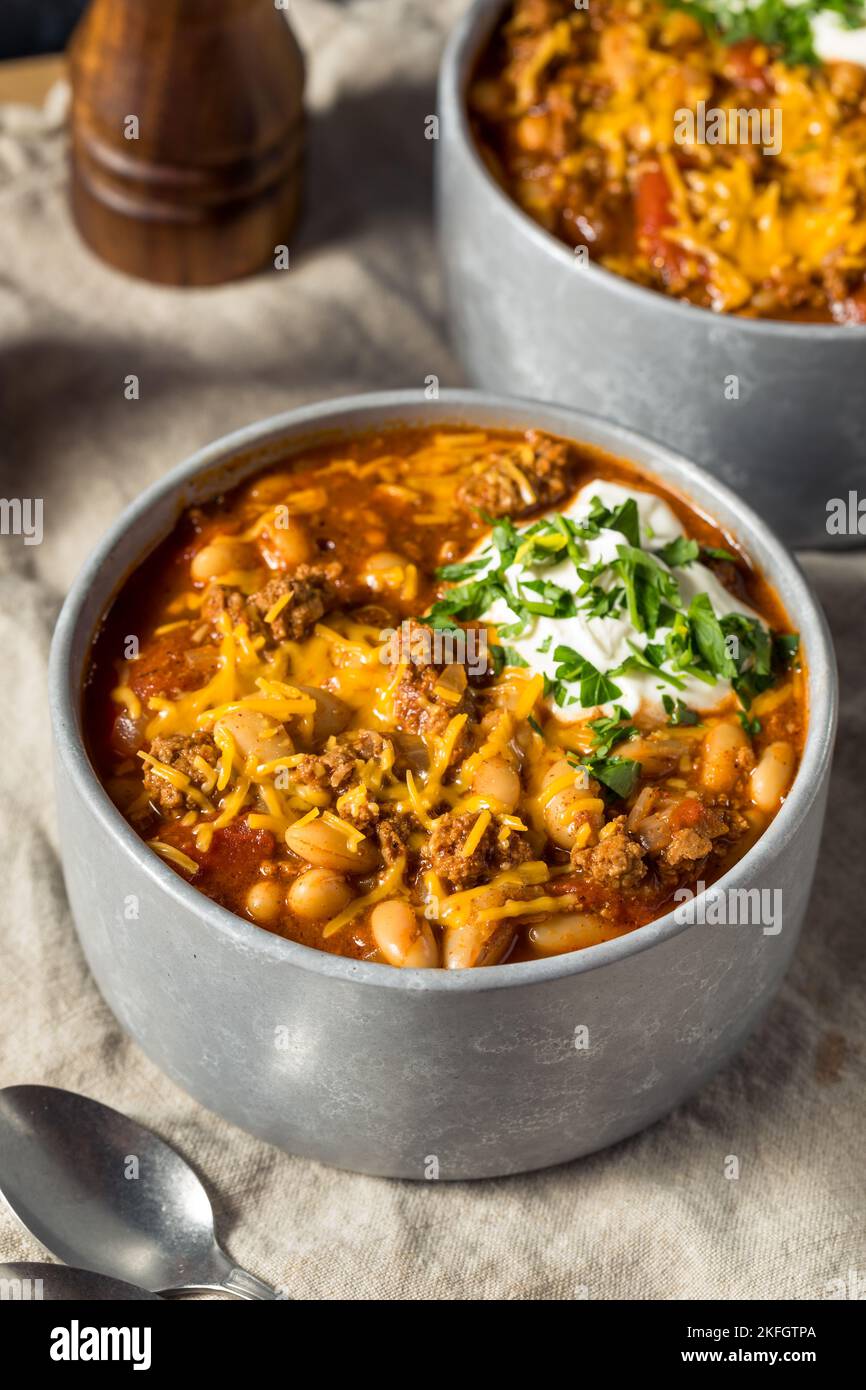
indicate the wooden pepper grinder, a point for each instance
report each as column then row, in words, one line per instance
column 187, row 130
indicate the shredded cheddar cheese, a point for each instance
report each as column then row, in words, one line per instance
column 726, row 174
column 473, row 839
column 176, row 856
column 126, row 696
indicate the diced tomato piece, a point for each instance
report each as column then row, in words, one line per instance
column 688, row 815
column 653, row 204
column 165, row 669
column 740, row 66
column 652, row 214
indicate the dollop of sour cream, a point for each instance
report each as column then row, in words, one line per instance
column 608, row 641
column 834, row 43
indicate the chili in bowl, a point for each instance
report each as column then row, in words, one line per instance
column 711, row 162
column 447, row 697
column 602, row 248
column 414, row 745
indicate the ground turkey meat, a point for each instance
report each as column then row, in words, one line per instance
column 686, row 848
column 494, row 851
column 691, row 844
column 219, row 599
column 617, row 861
column 337, row 766
column 542, row 465
column 428, row 694
column 620, row 861
column 311, row 591
column 393, row 837
column 338, row 769
column 180, row 752
column 380, row 822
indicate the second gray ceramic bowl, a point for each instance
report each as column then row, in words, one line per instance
column 421, row 1073
column 529, row 319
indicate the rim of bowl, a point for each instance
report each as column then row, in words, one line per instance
column 70, row 647
column 462, row 50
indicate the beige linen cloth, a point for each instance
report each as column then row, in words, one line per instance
column 653, row 1218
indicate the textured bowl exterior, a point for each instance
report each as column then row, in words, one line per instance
column 530, row 320
column 416, row 1074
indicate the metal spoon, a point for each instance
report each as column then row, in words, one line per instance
column 44, row 1283
column 105, row 1194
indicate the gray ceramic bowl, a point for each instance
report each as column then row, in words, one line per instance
column 528, row 319
column 413, row 1073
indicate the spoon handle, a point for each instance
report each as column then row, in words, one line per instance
column 245, row 1285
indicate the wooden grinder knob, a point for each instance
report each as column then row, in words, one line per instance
column 187, row 130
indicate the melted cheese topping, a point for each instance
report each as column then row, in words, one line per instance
column 648, row 75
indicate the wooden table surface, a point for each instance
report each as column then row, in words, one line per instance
column 28, row 79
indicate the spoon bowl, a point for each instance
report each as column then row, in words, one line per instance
column 105, row 1194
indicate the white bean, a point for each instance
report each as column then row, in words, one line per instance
column 476, row 942
column 264, row 900
column 326, row 847
column 721, row 750
column 570, row 932
column 219, row 557
column 567, row 811
column 287, row 545
column 498, row 780
column 403, row 939
column 385, row 570
column 271, row 488
column 319, row 894
column 772, row 777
